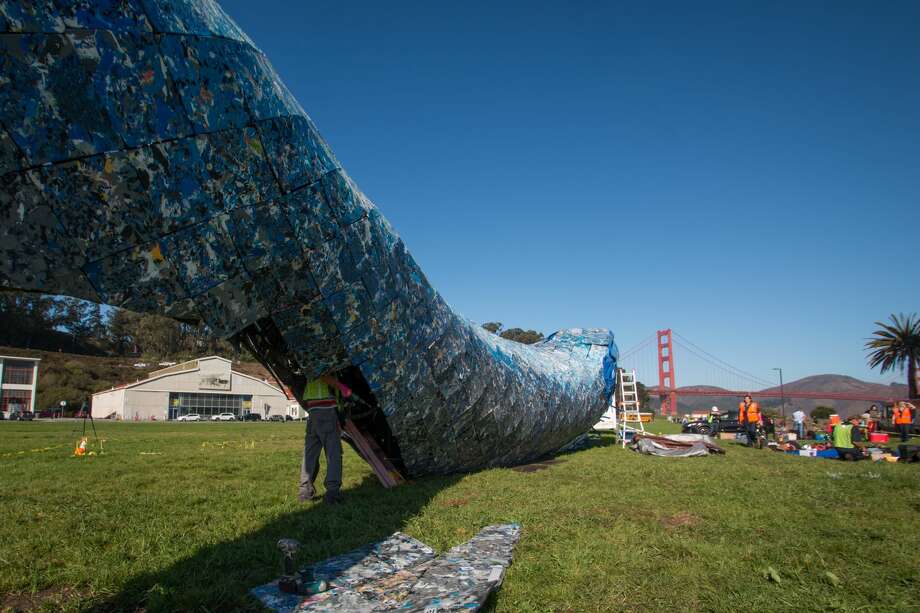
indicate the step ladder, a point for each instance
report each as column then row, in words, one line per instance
column 627, row 404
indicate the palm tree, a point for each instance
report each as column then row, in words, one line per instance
column 895, row 345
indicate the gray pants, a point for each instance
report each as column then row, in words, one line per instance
column 751, row 428
column 322, row 433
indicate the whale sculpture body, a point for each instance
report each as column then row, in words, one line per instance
column 151, row 159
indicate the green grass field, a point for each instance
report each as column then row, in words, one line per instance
column 186, row 516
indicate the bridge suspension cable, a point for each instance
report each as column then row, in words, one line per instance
column 719, row 363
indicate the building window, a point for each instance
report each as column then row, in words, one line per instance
column 16, row 372
column 20, row 400
column 183, row 403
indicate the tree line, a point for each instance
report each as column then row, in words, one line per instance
column 527, row 337
column 58, row 323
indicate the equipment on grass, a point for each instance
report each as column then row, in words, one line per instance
column 401, row 573
column 292, row 581
column 81, row 450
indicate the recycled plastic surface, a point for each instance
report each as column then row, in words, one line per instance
column 151, row 159
column 402, row 573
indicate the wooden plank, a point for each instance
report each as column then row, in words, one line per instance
column 372, row 454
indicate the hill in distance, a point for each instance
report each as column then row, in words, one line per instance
column 838, row 384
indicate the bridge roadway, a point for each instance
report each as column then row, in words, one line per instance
column 690, row 391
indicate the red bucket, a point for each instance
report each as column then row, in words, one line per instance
column 878, row 437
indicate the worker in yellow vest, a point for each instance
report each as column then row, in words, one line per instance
column 749, row 416
column 322, row 397
column 903, row 417
column 848, row 439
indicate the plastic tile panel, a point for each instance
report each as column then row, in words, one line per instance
column 203, row 71
column 286, row 285
column 298, row 153
column 231, row 305
column 346, row 201
column 203, row 255
column 139, row 279
column 310, row 216
column 265, row 95
column 120, row 182
column 85, row 92
column 350, row 306
column 33, row 244
column 204, row 17
column 263, row 236
column 58, row 15
column 333, row 267
column 11, row 157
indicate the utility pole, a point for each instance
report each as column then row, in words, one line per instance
column 782, row 393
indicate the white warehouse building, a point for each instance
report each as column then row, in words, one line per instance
column 206, row 386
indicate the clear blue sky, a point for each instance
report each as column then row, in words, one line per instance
column 747, row 174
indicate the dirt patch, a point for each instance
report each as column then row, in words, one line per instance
column 453, row 503
column 529, row 468
column 31, row 602
column 680, row 520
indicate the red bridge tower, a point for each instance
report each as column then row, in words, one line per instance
column 667, row 386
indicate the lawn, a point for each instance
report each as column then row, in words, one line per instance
column 186, row 516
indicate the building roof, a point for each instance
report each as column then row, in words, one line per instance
column 19, row 357
column 183, row 367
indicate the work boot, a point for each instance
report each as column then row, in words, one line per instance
column 307, row 495
column 333, row 498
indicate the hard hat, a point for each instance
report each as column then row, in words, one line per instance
column 714, row 410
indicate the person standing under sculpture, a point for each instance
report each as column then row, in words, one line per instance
column 322, row 396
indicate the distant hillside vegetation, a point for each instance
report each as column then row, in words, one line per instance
column 840, row 384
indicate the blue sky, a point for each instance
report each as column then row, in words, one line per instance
column 747, row 174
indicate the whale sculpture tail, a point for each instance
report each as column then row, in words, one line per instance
column 151, row 159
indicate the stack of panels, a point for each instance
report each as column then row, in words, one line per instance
column 401, row 573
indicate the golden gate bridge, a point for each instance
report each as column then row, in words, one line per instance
column 655, row 355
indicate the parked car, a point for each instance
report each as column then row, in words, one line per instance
column 728, row 422
column 252, row 417
column 166, row 364
column 223, row 417
column 189, row 417
column 140, row 365
column 276, row 418
column 19, row 415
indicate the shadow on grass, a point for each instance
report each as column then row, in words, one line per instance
column 219, row 576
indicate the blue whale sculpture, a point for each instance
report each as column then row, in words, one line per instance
column 151, row 159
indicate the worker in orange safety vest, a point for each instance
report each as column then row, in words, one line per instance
column 749, row 416
column 903, row 417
